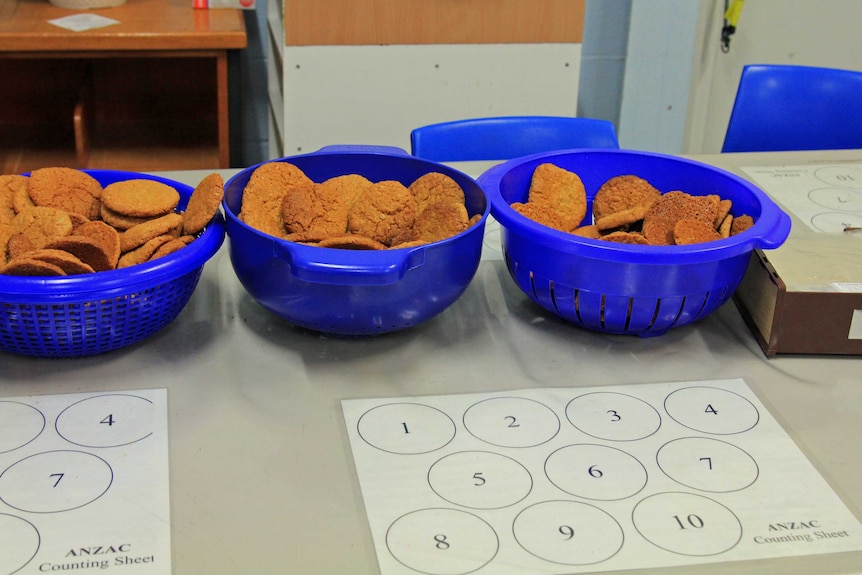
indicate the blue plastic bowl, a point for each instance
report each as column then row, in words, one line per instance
column 628, row 289
column 355, row 292
column 90, row 314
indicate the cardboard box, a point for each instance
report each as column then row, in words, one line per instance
column 805, row 297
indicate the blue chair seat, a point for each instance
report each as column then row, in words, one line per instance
column 507, row 137
column 784, row 108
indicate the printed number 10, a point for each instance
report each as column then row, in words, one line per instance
column 692, row 520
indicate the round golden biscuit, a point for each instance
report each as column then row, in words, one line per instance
column 140, row 198
column 589, row 231
column 542, row 214
column 622, row 193
column 740, row 224
column 107, row 236
column 306, row 237
column 662, row 216
column 143, row 253
column 724, row 226
column 140, row 234
column 203, row 204
column 351, row 242
column 408, row 244
column 18, row 245
column 169, row 247
column 5, row 234
column 67, row 189
column 85, row 249
column 42, row 224
column 622, row 217
column 626, row 238
column 69, row 263
column 8, row 185
column 78, row 219
column 691, row 231
column 384, row 212
column 21, row 199
column 439, row 221
column 264, row 193
column 435, row 187
column 30, row 267
column 562, row 190
column 120, row 221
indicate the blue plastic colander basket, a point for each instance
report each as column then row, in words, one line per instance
column 355, row 292
column 628, row 289
column 89, row 314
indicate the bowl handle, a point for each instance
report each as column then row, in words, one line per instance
column 341, row 268
column 777, row 229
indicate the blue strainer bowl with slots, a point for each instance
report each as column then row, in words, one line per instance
column 619, row 288
column 355, row 292
column 90, row 314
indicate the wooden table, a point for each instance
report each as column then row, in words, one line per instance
column 150, row 92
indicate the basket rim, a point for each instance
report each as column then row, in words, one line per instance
column 336, row 255
column 769, row 231
column 17, row 289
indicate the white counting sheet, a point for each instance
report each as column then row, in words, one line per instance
column 84, row 483
column 573, row 480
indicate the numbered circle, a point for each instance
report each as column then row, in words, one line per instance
column 837, row 199
column 19, row 543
column 835, row 222
column 55, row 481
column 595, row 472
column 406, row 428
column 687, row 524
column 442, row 541
column 512, row 422
column 480, row 480
column 844, row 176
column 568, row 533
column 613, row 416
column 711, row 410
column 707, row 464
column 106, row 420
column 22, row 424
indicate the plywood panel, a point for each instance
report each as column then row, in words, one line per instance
column 378, row 94
column 374, row 22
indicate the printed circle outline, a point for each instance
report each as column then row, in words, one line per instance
column 32, row 439
column 410, row 403
column 629, row 455
column 627, row 396
column 67, row 408
column 107, row 487
column 745, row 399
column 518, row 463
column 710, row 499
column 456, row 511
column 38, row 541
column 510, row 397
column 599, row 509
column 672, row 478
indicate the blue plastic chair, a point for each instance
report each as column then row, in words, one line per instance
column 507, row 137
column 783, row 108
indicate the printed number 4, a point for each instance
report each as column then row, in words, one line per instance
column 109, row 420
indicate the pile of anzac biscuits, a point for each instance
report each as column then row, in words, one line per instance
column 351, row 212
column 628, row 209
column 60, row 221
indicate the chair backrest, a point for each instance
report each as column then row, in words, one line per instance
column 507, row 137
column 782, row 108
